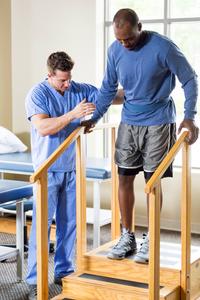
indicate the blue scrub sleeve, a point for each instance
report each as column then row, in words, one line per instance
column 36, row 103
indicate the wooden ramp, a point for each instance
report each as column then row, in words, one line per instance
column 124, row 279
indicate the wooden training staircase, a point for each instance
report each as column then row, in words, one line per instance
column 173, row 271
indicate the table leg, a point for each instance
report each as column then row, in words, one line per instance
column 96, row 222
column 20, row 238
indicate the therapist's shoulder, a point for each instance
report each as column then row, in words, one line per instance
column 79, row 87
column 38, row 93
column 38, row 90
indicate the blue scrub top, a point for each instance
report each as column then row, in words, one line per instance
column 44, row 99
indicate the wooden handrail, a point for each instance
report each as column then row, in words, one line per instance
column 70, row 139
column 81, row 195
column 152, row 188
column 40, row 178
column 50, row 160
column 105, row 126
column 165, row 163
column 115, row 224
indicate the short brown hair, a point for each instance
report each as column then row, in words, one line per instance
column 59, row 61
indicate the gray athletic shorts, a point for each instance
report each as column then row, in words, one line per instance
column 142, row 148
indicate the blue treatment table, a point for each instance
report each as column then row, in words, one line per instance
column 21, row 163
column 12, row 190
column 98, row 170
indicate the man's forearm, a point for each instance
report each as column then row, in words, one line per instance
column 191, row 95
column 50, row 126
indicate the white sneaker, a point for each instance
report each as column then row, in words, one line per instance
column 126, row 246
column 142, row 255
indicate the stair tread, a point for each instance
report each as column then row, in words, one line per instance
column 87, row 283
column 87, row 277
column 170, row 253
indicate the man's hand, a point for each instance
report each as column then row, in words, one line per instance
column 192, row 128
column 89, row 124
column 83, row 109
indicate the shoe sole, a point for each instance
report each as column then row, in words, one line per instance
column 141, row 261
column 58, row 282
column 111, row 256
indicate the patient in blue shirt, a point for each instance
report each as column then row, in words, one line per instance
column 146, row 65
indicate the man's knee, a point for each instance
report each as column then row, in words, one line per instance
column 126, row 181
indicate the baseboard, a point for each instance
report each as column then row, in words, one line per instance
column 168, row 224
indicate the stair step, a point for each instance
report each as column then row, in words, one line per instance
column 86, row 286
column 96, row 261
column 170, row 253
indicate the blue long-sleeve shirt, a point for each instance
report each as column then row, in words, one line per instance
column 147, row 75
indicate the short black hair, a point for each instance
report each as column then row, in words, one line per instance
column 59, row 61
column 125, row 15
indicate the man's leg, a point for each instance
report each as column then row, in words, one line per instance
column 32, row 253
column 65, row 227
column 127, row 243
column 158, row 141
column 126, row 200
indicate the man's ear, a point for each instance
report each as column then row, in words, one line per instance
column 139, row 26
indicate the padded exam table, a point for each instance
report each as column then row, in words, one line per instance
column 15, row 191
column 98, row 170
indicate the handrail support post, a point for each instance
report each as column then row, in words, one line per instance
column 154, row 242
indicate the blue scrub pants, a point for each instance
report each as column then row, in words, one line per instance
column 62, row 204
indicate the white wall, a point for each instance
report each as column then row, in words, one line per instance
column 5, row 64
column 41, row 27
column 170, row 215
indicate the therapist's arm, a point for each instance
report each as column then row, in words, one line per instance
column 46, row 125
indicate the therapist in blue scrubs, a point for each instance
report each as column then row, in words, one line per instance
column 54, row 108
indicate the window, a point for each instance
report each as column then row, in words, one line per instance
column 180, row 21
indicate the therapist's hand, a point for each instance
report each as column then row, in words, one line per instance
column 83, row 109
column 192, row 128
